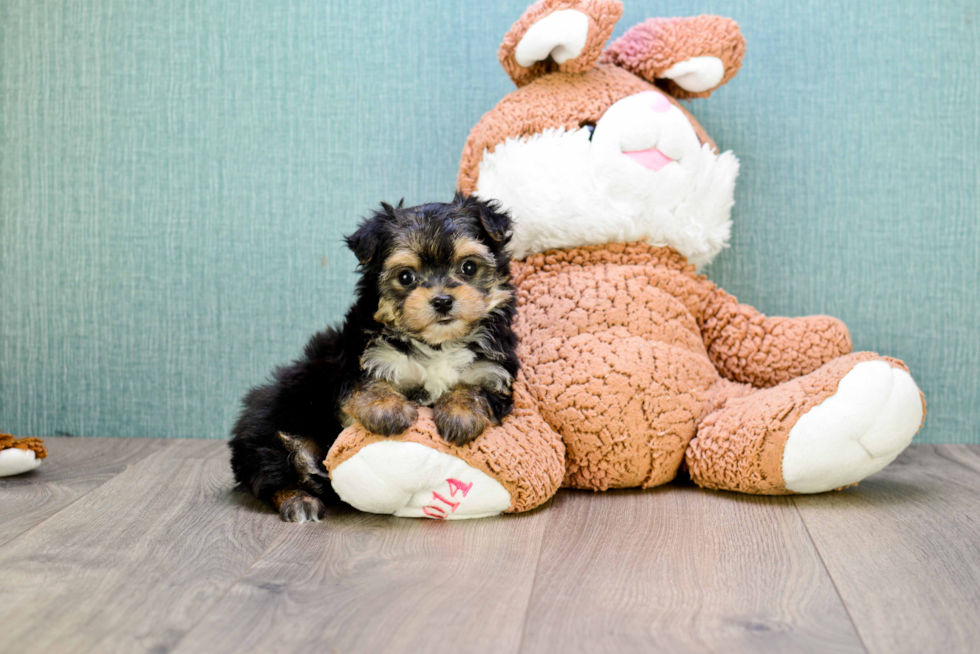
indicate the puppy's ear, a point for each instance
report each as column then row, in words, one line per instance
column 365, row 241
column 495, row 221
column 368, row 238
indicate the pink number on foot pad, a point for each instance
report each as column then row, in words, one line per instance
column 439, row 513
column 456, row 485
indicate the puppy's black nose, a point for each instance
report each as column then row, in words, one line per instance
column 442, row 303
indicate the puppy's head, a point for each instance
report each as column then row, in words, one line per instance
column 439, row 269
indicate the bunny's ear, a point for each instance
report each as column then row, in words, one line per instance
column 689, row 57
column 557, row 35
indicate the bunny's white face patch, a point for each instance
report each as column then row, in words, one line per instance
column 641, row 174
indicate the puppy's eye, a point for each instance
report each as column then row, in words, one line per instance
column 467, row 268
column 406, row 278
column 590, row 127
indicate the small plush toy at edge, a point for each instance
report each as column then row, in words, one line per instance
column 20, row 455
column 634, row 366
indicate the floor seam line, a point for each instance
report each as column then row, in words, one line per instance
column 217, row 600
column 830, row 576
column 77, row 499
column 534, row 581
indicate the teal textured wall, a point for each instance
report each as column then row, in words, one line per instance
column 175, row 177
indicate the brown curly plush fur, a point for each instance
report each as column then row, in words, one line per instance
column 30, row 443
column 603, row 16
column 623, row 344
column 652, row 47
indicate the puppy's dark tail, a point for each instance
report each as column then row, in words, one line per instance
column 260, row 460
column 266, row 460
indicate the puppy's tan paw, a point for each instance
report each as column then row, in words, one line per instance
column 390, row 418
column 461, row 416
column 381, row 409
column 299, row 506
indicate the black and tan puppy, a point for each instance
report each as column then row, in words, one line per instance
column 431, row 326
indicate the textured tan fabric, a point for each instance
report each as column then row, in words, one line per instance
column 652, row 47
column 524, row 454
column 611, row 348
column 613, row 343
column 29, row 443
column 603, row 16
column 746, row 346
column 740, row 446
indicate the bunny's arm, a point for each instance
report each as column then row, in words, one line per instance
column 747, row 346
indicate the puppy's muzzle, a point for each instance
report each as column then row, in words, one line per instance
column 442, row 304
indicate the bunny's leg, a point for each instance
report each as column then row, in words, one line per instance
column 824, row 430
column 510, row 468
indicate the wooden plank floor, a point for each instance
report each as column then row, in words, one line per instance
column 143, row 546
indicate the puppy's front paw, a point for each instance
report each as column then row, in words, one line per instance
column 461, row 416
column 299, row 506
column 381, row 409
column 390, row 416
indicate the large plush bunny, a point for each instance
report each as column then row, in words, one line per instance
column 633, row 366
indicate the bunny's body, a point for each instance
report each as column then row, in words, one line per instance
column 633, row 365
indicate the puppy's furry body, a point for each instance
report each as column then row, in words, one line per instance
column 430, row 326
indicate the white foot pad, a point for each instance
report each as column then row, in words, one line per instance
column 14, row 461
column 855, row 432
column 410, row 480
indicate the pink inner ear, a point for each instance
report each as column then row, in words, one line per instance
column 652, row 158
column 660, row 103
